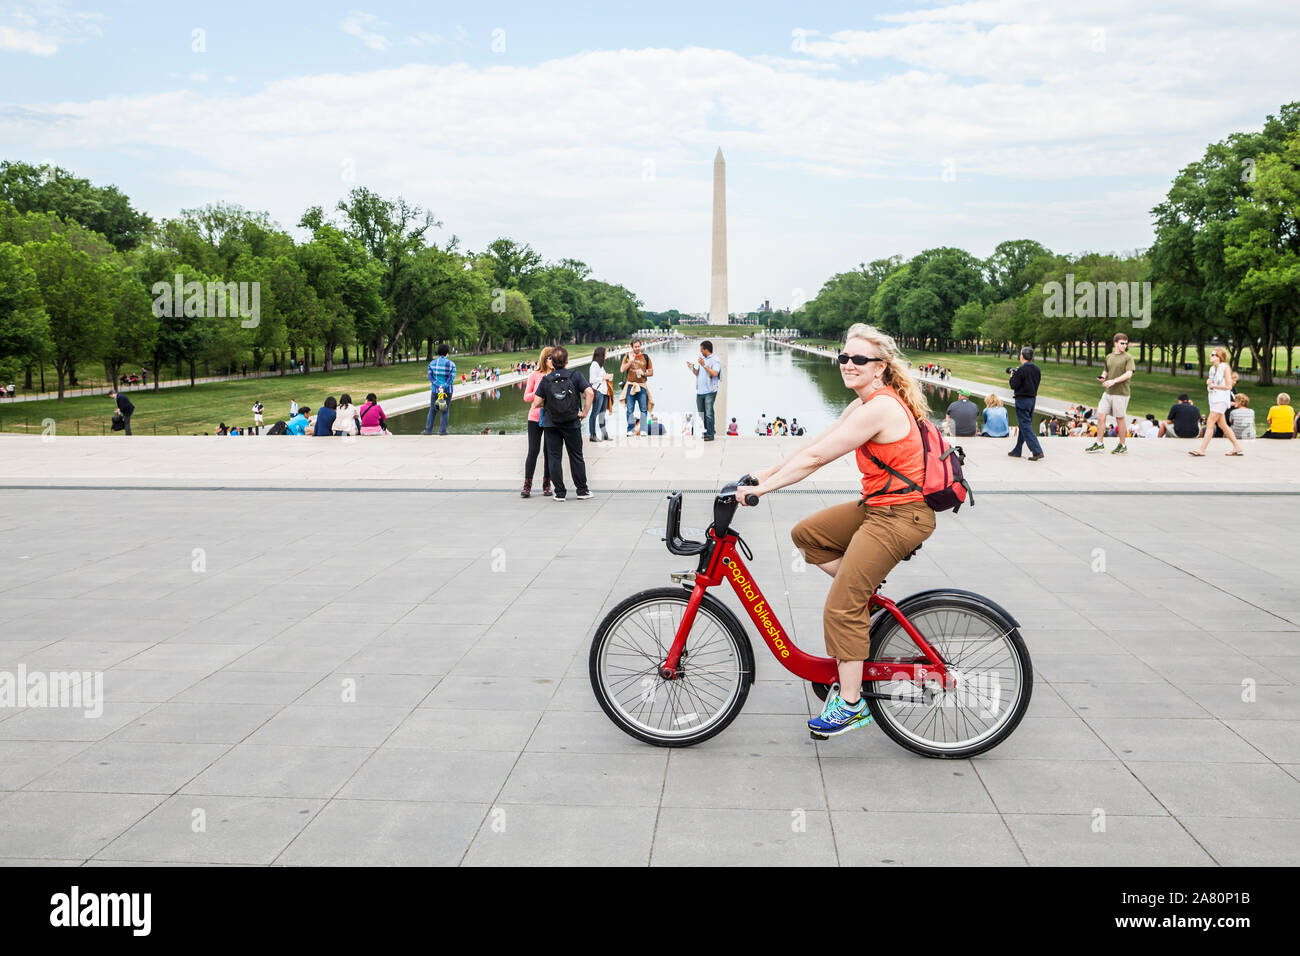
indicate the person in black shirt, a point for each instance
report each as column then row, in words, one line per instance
column 1183, row 421
column 560, row 394
column 1024, row 385
column 124, row 406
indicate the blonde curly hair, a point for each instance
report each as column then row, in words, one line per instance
column 897, row 375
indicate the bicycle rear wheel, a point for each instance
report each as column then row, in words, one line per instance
column 716, row 668
column 981, row 649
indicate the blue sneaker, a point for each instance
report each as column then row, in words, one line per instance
column 839, row 717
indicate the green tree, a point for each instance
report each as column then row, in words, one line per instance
column 73, row 290
column 1189, row 262
column 1262, row 246
column 52, row 189
column 391, row 231
column 24, row 326
column 133, row 327
column 1010, row 270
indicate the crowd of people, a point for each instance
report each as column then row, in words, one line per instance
column 336, row 417
column 777, row 427
column 1229, row 416
column 934, row 370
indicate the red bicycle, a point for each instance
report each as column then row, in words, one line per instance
column 948, row 673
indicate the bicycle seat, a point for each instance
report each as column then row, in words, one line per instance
column 914, row 550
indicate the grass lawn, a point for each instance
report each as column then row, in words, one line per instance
column 193, row 411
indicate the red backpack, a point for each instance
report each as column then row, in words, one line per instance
column 943, row 486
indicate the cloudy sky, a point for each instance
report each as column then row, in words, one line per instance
column 851, row 130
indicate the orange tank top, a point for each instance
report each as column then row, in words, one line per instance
column 906, row 456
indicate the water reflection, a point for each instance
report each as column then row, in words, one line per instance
column 761, row 379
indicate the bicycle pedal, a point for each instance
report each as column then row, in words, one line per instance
column 816, row 736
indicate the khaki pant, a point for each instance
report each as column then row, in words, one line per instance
column 871, row 540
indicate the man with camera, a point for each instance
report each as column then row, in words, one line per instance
column 1024, row 385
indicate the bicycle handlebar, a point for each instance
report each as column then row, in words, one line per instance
column 724, row 509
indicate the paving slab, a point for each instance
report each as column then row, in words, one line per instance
column 370, row 691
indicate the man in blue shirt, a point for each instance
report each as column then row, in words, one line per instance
column 297, row 425
column 707, row 373
column 442, row 373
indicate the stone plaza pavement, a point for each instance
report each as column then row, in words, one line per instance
column 346, row 672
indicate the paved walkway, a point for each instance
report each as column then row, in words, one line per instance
column 494, row 461
column 360, row 677
column 372, row 651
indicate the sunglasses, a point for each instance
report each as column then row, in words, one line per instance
column 857, row 359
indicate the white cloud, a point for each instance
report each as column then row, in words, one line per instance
column 827, row 167
column 426, row 39
column 41, row 29
column 363, row 27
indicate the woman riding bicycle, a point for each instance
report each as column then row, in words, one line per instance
column 858, row 543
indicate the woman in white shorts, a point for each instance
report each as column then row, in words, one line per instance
column 1219, row 384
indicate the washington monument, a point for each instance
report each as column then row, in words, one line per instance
column 718, row 298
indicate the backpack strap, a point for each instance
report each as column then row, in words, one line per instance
column 908, row 483
column 889, row 488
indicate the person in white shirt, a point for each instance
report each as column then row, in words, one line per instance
column 599, row 380
column 761, row 427
column 258, row 408
column 347, row 418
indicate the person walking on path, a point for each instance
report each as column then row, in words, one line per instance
column 858, row 542
column 258, row 410
column 708, row 372
column 124, row 407
column 566, row 398
column 535, row 427
column 638, row 368
column 1115, row 378
column 1219, row 385
column 442, row 375
column 600, row 382
column 1024, row 385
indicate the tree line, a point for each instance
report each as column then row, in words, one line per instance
column 1224, row 267
column 86, row 281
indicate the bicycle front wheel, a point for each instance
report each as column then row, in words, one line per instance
column 716, row 668
column 984, row 653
